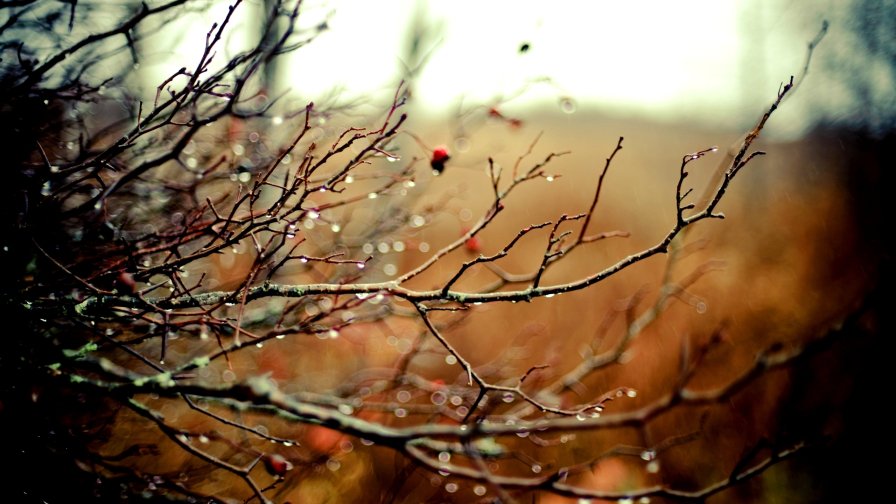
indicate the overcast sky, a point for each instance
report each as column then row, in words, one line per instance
column 700, row 60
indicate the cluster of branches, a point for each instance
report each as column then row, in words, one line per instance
column 155, row 253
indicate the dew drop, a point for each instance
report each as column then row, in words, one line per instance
column 567, row 105
column 361, row 265
column 345, row 409
column 398, row 246
column 423, row 247
column 653, row 466
column 549, row 178
column 372, row 195
column 631, row 393
column 332, row 334
column 507, row 397
column 648, row 455
column 444, row 457
column 456, row 400
column 451, row 487
column 390, row 269
column 438, row 398
column 450, row 360
column 536, row 468
column 335, row 228
column 367, row 248
column 333, row 464
column 403, row 396
column 277, row 120
column 417, row 221
column 479, row 490
column 401, row 412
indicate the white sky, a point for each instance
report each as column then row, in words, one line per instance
column 712, row 60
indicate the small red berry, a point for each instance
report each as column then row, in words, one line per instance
column 276, row 464
column 473, row 244
column 439, row 156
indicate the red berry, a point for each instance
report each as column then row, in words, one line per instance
column 473, row 244
column 276, row 464
column 439, row 156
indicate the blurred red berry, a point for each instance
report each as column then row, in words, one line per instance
column 276, row 464
column 439, row 156
column 473, row 244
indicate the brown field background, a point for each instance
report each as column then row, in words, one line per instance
column 799, row 251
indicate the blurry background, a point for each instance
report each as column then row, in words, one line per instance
column 698, row 62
